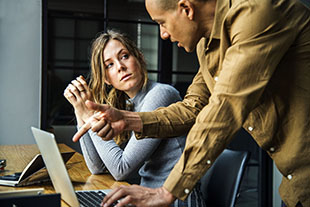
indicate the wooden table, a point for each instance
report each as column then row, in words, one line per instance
column 18, row 156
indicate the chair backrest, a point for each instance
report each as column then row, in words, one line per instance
column 221, row 183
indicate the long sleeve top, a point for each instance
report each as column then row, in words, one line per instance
column 254, row 73
column 154, row 158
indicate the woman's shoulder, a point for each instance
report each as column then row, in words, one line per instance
column 156, row 95
column 156, row 87
column 160, row 92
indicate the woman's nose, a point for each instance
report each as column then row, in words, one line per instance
column 121, row 66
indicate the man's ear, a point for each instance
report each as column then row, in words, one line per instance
column 187, row 7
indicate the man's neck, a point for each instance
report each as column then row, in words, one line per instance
column 205, row 16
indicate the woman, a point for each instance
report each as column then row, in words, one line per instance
column 118, row 66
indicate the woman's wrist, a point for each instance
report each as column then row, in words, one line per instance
column 80, row 117
column 84, row 116
column 80, row 122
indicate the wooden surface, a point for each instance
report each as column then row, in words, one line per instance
column 18, row 156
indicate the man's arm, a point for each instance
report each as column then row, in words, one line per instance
column 178, row 118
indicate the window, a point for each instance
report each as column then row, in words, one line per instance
column 72, row 25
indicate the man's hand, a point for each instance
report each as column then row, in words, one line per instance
column 139, row 196
column 109, row 121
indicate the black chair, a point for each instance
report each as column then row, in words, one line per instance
column 220, row 185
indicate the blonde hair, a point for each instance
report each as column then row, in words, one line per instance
column 101, row 92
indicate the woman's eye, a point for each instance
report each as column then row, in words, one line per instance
column 125, row 56
column 109, row 65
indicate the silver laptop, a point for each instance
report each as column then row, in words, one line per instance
column 59, row 175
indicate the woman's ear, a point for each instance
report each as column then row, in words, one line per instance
column 107, row 82
column 187, row 7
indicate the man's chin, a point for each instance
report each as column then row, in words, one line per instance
column 189, row 49
column 186, row 48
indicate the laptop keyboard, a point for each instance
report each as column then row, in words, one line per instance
column 90, row 198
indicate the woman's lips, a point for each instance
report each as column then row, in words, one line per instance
column 125, row 77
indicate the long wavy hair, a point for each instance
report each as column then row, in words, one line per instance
column 103, row 93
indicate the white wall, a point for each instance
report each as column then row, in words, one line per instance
column 20, row 70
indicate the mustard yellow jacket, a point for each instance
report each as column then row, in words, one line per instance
column 254, row 73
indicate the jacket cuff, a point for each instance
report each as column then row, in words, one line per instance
column 150, row 126
column 180, row 185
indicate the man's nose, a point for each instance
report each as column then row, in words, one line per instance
column 163, row 33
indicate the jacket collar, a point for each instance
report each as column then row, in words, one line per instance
column 221, row 9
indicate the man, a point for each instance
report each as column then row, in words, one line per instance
column 254, row 73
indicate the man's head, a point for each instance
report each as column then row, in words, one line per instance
column 183, row 21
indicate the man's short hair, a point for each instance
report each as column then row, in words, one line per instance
column 168, row 4
column 171, row 4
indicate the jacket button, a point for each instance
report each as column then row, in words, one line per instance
column 208, row 162
column 271, row 149
column 186, row 191
column 289, row 177
column 250, row 128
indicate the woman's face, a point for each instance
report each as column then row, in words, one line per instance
column 122, row 69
